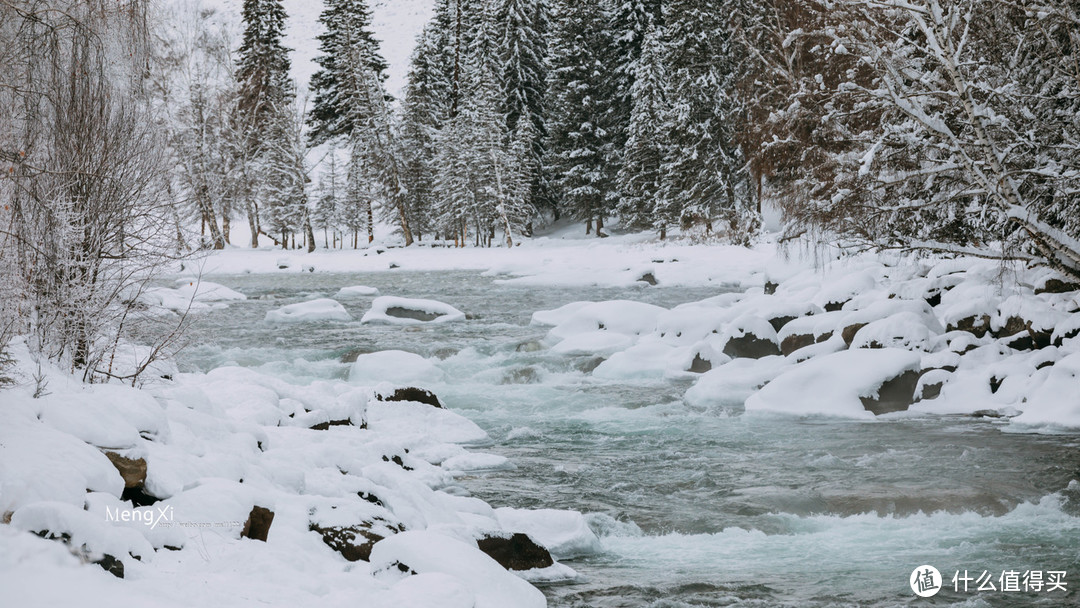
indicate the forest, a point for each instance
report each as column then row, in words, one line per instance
column 137, row 133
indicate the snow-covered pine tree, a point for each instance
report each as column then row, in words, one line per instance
column 328, row 200
column 348, row 47
column 628, row 22
column 284, row 178
column 704, row 168
column 642, row 206
column 523, row 27
column 580, row 150
column 264, row 85
column 425, row 110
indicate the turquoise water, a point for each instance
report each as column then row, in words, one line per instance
column 696, row 507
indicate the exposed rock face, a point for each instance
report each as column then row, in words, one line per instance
column 770, row 288
column 411, row 313
column 699, row 365
column 779, row 322
column 132, row 470
column 111, row 565
column 325, row 426
column 648, row 277
column 848, row 333
column 529, row 347
column 517, row 552
column 834, row 306
column 354, row 543
column 258, row 523
column 975, row 325
column 751, row 347
column 1053, row 285
column 894, row 395
column 412, row 393
column 794, row 342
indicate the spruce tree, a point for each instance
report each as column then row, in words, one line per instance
column 523, row 26
column 641, row 176
column 580, row 150
column 264, row 88
column 703, row 170
column 349, row 50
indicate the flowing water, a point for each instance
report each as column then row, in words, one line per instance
column 696, row 507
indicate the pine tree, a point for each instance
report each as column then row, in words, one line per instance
column 641, row 176
column 264, row 88
column 284, row 178
column 580, row 150
column 349, row 51
column 523, row 27
column 703, row 168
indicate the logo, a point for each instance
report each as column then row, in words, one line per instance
column 925, row 581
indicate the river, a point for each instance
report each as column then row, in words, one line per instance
column 695, row 507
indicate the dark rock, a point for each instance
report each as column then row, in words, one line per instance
column 894, row 395
column 1056, row 286
column 325, row 426
column 393, row 266
column 848, row 334
column 751, row 347
column 354, row 543
column 257, row 526
column 1072, row 333
column 518, row 552
column 823, row 337
column 699, row 365
column 398, row 461
column 995, row 384
column 445, row 353
column 931, row 391
column 770, row 288
column 934, row 299
column 648, row 277
column 412, row 393
column 794, row 342
column 987, row 414
column 1044, row 364
column 138, row 496
column 368, row 496
column 835, row 306
column 411, row 313
column 111, row 565
column 779, row 322
column 1013, row 325
column 975, row 325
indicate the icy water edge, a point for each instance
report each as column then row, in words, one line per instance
column 695, row 507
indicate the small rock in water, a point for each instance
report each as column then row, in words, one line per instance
column 411, row 313
column 529, row 347
column 699, row 365
column 648, row 277
column 524, row 375
column 411, row 393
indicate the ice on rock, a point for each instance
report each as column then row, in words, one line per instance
column 833, row 385
column 410, row 311
column 322, row 309
column 396, row 366
column 477, row 462
column 426, row 552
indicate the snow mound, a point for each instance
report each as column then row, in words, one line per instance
column 322, row 309
column 427, row 552
column 395, row 366
column 410, row 311
column 833, row 384
column 565, row 534
column 1057, row 402
column 356, row 291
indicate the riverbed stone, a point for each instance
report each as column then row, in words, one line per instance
column 411, row 393
column 515, row 552
column 894, row 395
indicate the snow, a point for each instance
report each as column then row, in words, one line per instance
column 395, row 366
column 410, row 311
column 429, row 552
column 322, row 309
column 565, row 534
column 356, row 291
column 831, row 385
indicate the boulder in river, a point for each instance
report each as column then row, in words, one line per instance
column 515, row 552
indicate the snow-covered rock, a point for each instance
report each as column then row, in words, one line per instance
column 410, row 311
column 322, row 309
column 355, row 291
column 836, row 384
column 396, row 366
